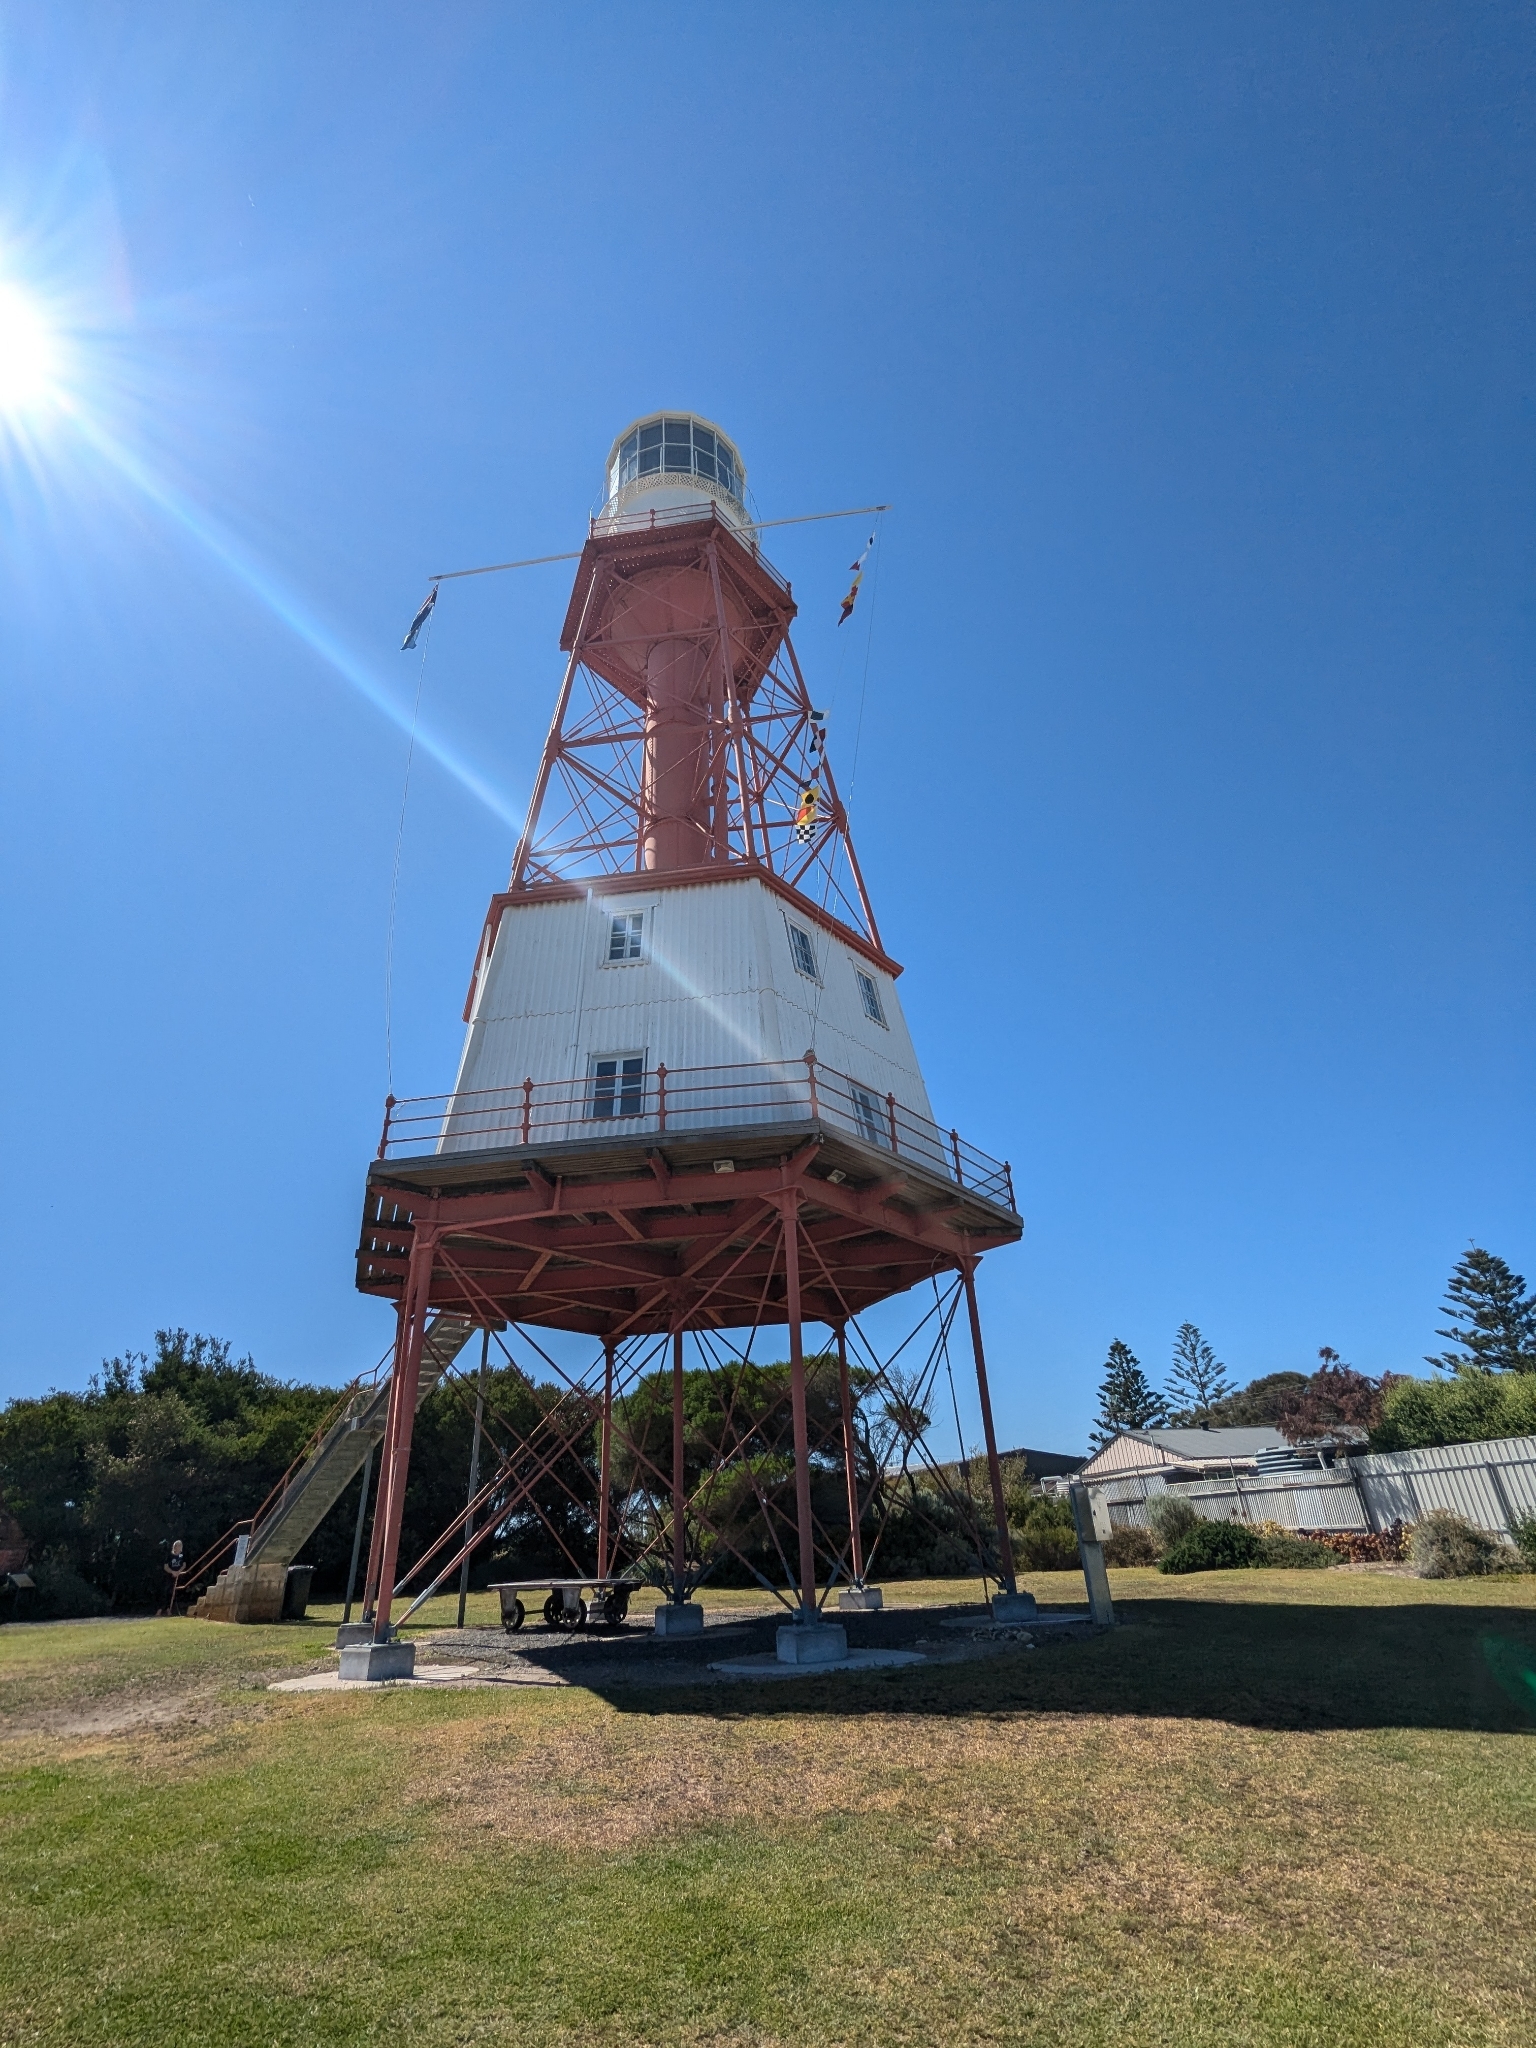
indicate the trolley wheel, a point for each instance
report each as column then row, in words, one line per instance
column 557, row 1615
column 516, row 1618
column 618, row 1609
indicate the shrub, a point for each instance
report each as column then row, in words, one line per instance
column 1130, row 1546
column 1443, row 1546
column 1045, row 1539
column 62, row 1595
column 1212, row 1547
column 1359, row 1546
column 1295, row 1552
column 1169, row 1519
column 1523, row 1529
column 1474, row 1408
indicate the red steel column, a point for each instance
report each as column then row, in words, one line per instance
column 791, row 1213
column 994, row 1470
column 678, row 1552
column 408, row 1372
column 605, row 1441
column 386, row 1447
column 850, row 1460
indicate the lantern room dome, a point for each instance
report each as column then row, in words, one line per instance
column 667, row 461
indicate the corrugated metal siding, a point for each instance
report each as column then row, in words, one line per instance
column 1125, row 1454
column 717, row 987
column 1322, row 1500
column 1486, row 1484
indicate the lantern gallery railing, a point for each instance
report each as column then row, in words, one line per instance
column 624, row 1096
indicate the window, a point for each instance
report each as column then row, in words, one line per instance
column 802, row 952
column 869, row 1113
column 624, row 936
column 678, row 446
column 618, row 1084
column 869, row 995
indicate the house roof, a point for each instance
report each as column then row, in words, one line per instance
column 1144, row 1450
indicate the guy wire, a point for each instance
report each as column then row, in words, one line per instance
column 394, row 880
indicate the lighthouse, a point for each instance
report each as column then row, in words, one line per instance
column 687, row 1103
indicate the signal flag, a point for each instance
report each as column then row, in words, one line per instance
column 420, row 620
column 858, row 577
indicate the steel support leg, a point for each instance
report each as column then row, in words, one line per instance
column 679, row 1560
column 357, row 1536
column 797, row 1408
column 604, row 1463
column 474, row 1469
column 994, row 1470
column 392, row 1479
column 850, row 1460
column 386, row 1451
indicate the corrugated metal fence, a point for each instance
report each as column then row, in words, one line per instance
column 1490, row 1485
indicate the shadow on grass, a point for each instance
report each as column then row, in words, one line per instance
column 1260, row 1666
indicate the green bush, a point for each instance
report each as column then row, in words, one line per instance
column 1523, row 1529
column 1130, row 1546
column 61, row 1594
column 1170, row 1519
column 1443, row 1546
column 1212, row 1547
column 1475, row 1407
column 1296, row 1553
column 1045, row 1535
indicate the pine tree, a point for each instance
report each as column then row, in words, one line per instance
column 1198, row 1378
column 1492, row 1317
column 1127, row 1398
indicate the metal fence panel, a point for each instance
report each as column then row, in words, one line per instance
column 1489, row 1485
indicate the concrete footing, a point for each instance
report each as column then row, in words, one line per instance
column 861, row 1600
column 680, row 1618
column 354, row 1632
column 813, row 1642
column 378, row 1660
column 1013, row 1607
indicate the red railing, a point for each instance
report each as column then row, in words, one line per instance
column 686, row 1099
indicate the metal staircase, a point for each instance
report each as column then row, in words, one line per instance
column 336, row 1460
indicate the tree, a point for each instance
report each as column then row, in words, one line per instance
column 1198, row 1379
column 1127, row 1398
column 1492, row 1317
column 1258, row 1405
column 1336, row 1397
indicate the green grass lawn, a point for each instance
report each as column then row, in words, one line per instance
column 1272, row 1808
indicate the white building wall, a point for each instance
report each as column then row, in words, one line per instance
column 716, row 986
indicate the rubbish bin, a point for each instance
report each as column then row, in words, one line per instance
column 296, row 1591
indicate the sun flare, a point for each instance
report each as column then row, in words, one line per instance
column 29, row 353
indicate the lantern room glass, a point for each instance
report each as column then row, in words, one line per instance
column 676, row 446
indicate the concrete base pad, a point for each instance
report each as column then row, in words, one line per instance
column 680, row 1619
column 426, row 1675
column 1013, row 1607
column 767, row 1665
column 861, row 1600
column 378, row 1660
column 1037, row 1625
column 813, row 1642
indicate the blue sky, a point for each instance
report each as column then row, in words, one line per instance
column 1194, row 786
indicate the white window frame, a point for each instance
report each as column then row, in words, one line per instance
column 871, row 1115
column 614, row 1083
column 869, row 997
column 792, row 932
column 633, row 937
